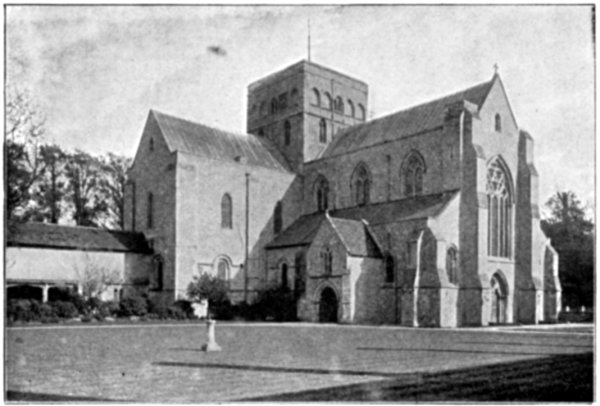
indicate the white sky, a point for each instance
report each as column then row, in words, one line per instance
column 97, row 70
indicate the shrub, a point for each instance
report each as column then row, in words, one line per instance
column 20, row 310
column 108, row 309
column 133, row 306
column 186, row 307
column 277, row 303
column 64, row 309
column 176, row 313
column 70, row 296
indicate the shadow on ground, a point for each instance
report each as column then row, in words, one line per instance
column 19, row 396
column 558, row 378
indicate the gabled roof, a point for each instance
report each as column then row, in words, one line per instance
column 349, row 222
column 42, row 235
column 356, row 237
column 198, row 139
column 415, row 120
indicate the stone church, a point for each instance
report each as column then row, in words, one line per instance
column 425, row 217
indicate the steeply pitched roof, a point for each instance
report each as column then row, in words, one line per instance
column 198, row 139
column 414, row 120
column 348, row 221
column 43, row 235
column 356, row 237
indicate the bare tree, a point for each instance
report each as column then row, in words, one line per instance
column 95, row 277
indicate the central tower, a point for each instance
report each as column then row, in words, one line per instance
column 302, row 107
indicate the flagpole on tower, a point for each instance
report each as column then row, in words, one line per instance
column 309, row 40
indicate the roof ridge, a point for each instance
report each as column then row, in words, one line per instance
column 187, row 120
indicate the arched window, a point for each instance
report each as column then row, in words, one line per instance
column 263, row 109
column 315, row 99
column 294, row 98
column 277, row 218
column 389, row 268
column 327, row 261
column 273, row 106
column 151, row 144
column 361, row 185
column 351, row 111
column 361, row 112
column 413, row 170
column 322, row 131
column 287, row 130
column 452, row 265
column 499, row 196
column 284, row 275
column 328, row 101
column 322, row 194
column 223, row 269
column 339, row 105
column 150, row 211
column 226, row 212
column 498, row 123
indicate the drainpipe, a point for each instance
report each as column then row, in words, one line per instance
column 246, row 248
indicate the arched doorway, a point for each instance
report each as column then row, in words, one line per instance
column 499, row 299
column 328, row 306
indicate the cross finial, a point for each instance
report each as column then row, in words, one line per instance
column 496, row 67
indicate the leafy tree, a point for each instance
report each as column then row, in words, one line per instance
column 572, row 236
column 113, row 184
column 208, row 287
column 51, row 187
column 84, row 173
column 24, row 132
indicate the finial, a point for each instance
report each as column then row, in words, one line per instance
column 496, row 67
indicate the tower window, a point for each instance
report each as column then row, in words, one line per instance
column 452, row 265
column 282, row 101
column 322, row 131
column 226, row 212
column 315, row 98
column 351, row 111
column 273, row 106
column 294, row 98
column 498, row 123
column 361, row 112
column 151, row 144
column 150, row 211
column 287, row 130
column 339, row 105
column 328, row 101
column 322, row 194
column 263, row 109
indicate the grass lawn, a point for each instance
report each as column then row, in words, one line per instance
column 164, row 363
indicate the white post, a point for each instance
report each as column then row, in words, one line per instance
column 211, row 345
column 45, row 293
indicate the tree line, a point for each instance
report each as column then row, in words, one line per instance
column 47, row 183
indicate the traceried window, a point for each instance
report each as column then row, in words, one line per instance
column 351, row 111
column 499, row 197
column 322, row 194
column 226, row 212
column 389, row 268
column 413, row 170
column 315, row 98
column 339, row 105
column 498, row 123
column 150, row 211
column 361, row 185
column 277, row 218
column 452, row 265
column 287, row 131
column 322, row 131
column 327, row 261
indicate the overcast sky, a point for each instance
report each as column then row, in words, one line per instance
column 96, row 70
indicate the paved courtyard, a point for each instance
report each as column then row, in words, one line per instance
column 164, row 363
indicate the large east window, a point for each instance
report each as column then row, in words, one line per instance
column 499, row 198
